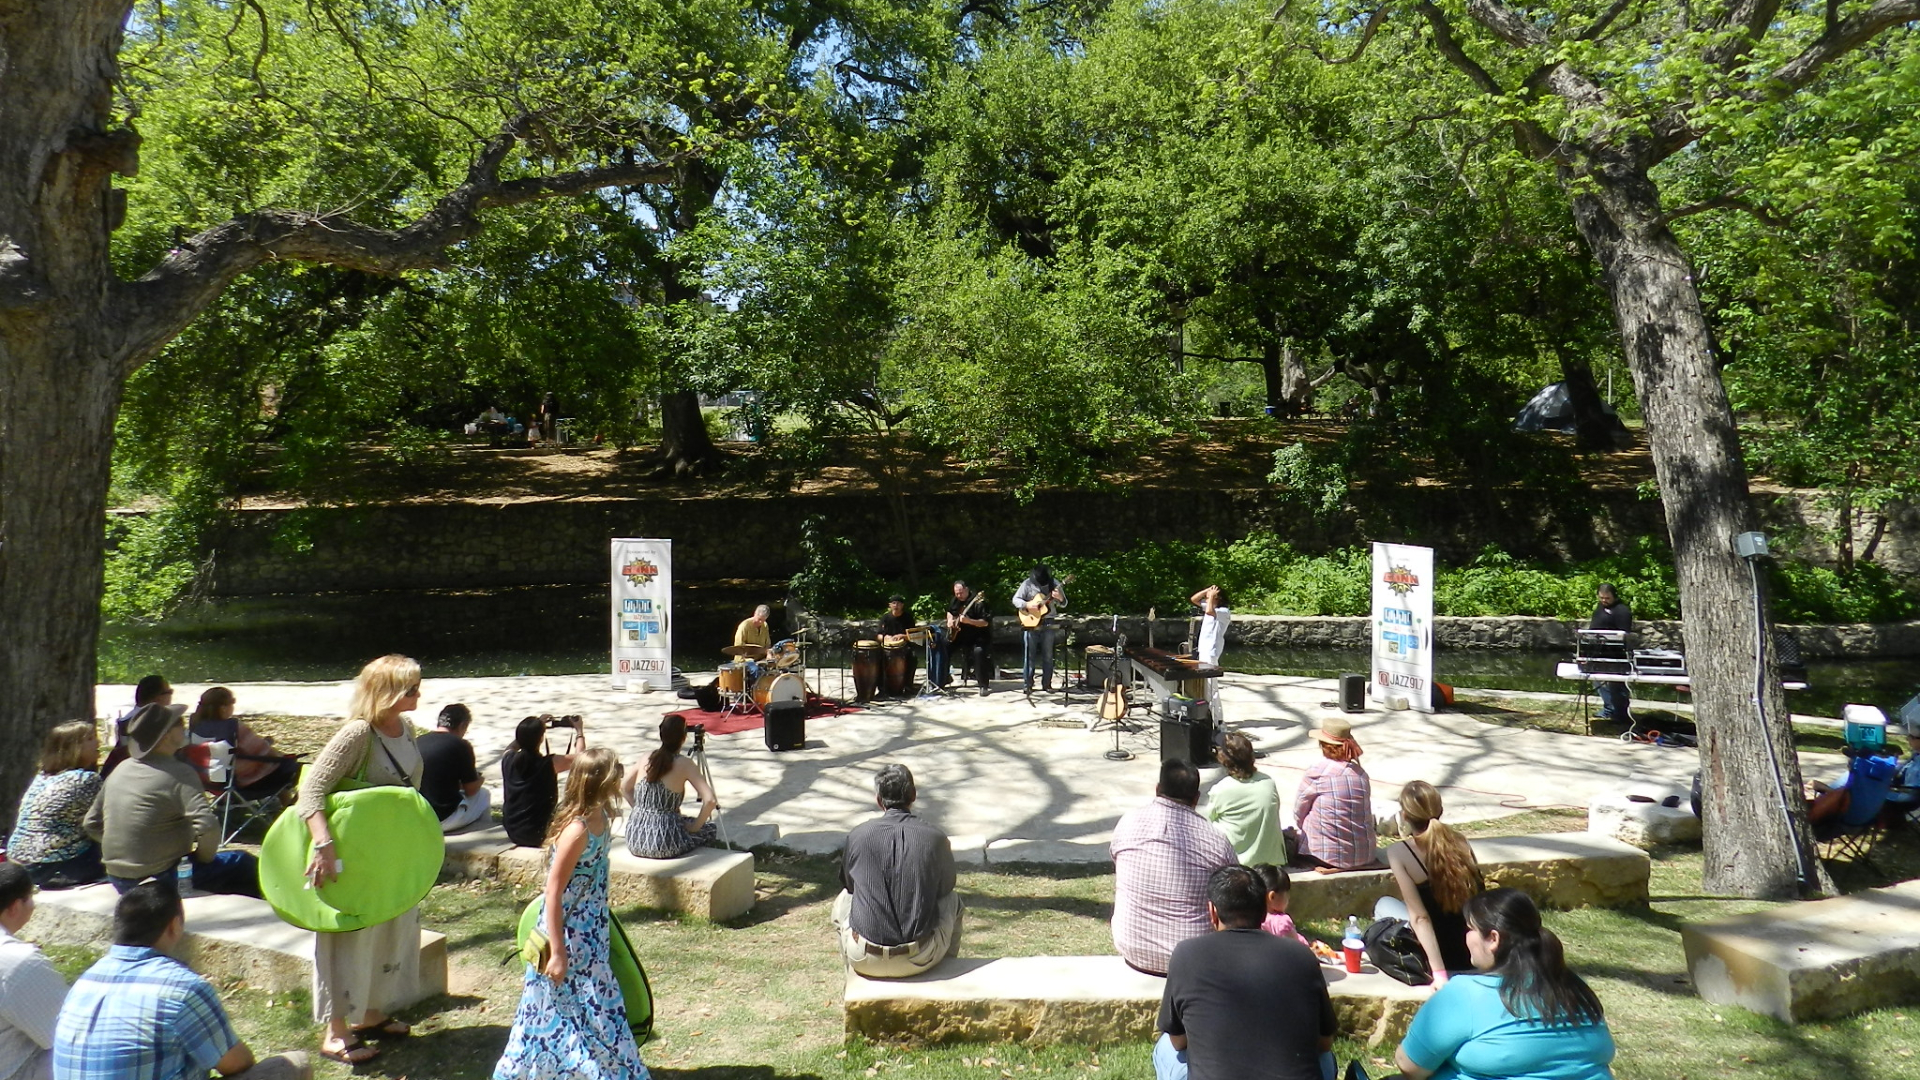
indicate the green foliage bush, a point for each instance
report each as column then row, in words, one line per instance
column 1264, row 576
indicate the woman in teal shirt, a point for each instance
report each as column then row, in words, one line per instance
column 1523, row 1014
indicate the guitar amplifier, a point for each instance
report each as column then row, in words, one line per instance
column 1188, row 742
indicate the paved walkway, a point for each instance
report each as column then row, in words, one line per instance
column 1008, row 779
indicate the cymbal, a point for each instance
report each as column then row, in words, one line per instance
column 749, row 652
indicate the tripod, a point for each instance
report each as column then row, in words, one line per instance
column 699, row 755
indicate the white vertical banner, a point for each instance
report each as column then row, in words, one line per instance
column 1403, row 625
column 642, row 612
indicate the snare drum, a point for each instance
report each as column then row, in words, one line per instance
column 733, row 678
column 866, row 670
column 784, row 655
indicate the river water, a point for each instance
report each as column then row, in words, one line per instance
column 563, row 631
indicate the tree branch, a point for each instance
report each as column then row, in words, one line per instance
column 874, row 76
column 154, row 309
column 1731, row 200
column 1374, row 19
column 1840, row 40
column 1605, row 20
column 1506, row 24
column 1745, row 24
column 1450, row 48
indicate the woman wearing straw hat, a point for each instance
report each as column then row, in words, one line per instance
column 1333, row 810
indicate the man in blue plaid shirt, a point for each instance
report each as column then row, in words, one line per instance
column 139, row 1014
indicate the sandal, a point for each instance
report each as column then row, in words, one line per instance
column 388, row 1028
column 345, row 1055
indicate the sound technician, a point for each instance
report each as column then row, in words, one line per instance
column 1612, row 614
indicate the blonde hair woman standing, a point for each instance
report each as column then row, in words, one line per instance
column 359, row 974
column 1437, row 874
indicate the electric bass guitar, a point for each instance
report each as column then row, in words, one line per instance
column 1041, row 606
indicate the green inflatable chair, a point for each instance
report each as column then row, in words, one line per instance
column 634, row 988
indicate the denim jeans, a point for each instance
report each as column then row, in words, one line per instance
column 1171, row 1064
column 1614, row 699
column 1039, row 647
column 235, row 873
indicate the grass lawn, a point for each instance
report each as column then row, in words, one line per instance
column 759, row 999
column 1565, row 717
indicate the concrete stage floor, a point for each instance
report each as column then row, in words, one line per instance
column 1013, row 780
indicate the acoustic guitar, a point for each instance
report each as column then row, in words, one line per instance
column 1040, row 606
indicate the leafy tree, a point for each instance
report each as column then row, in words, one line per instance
column 1604, row 94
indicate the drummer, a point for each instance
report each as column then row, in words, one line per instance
column 893, row 632
column 753, row 630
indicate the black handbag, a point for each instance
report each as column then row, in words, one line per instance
column 1393, row 948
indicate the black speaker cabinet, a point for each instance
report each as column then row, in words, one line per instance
column 1353, row 693
column 1187, row 741
column 786, row 725
column 1100, row 668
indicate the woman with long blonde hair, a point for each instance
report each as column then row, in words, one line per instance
column 572, row 1020
column 1437, row 874
column 360, row 974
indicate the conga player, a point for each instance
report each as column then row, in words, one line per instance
column 893, row 636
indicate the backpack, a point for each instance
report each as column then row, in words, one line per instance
column 1393, row 948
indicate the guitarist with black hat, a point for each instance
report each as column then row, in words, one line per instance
column 969, row 636
column 1036, row 602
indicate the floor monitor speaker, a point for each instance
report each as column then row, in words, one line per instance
column 1353, row 693
column 786, row 725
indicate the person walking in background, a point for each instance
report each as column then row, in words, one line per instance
column 449, row 776
column 1612, row 613
column 572, row 1019
column 50, row 840
column 1521, row 1015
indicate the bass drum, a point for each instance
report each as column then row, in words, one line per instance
column 775, row 688
column 866, row 670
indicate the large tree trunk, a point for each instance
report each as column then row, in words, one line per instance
column 684, row 442
column 1757, row 840
column 60, row 375
column 1593, row 428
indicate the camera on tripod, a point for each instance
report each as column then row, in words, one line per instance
column 699, row 733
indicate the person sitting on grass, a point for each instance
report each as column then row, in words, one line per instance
column 153, row 812
column 49, row 839
column 139, row 1013
column 1522, row 1014
column 30, row 989
column 449, row 775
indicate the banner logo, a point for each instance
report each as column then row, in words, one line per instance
column 639, row 572
column 1400, row 579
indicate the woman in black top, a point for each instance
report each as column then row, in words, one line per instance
column 1436, row 874
column 529, row 778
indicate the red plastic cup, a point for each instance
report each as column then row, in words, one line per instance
column 1352, row 957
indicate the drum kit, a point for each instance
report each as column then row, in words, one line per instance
column 782, row 675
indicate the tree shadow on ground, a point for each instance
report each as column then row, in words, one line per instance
column 452, row 1053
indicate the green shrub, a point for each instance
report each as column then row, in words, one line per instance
column 1815, row 594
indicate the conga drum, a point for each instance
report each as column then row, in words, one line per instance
column 899, row 668
column 866, row 670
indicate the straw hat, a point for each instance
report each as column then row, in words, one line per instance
column 1334, row 729
column 149, row 724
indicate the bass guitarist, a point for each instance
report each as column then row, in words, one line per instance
column 969, row 636
column 1037, row 601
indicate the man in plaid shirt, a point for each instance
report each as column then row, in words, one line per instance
column 1163, row 854
column 139, row 1014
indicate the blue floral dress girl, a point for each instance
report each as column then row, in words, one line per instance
column 575, row 1029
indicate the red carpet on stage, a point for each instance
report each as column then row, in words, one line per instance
column 726, row 723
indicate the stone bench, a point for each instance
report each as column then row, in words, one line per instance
column 712, row 883
column 233, row 938
column 1812, row 960
column 1091, row 1000
column 1559, row 870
